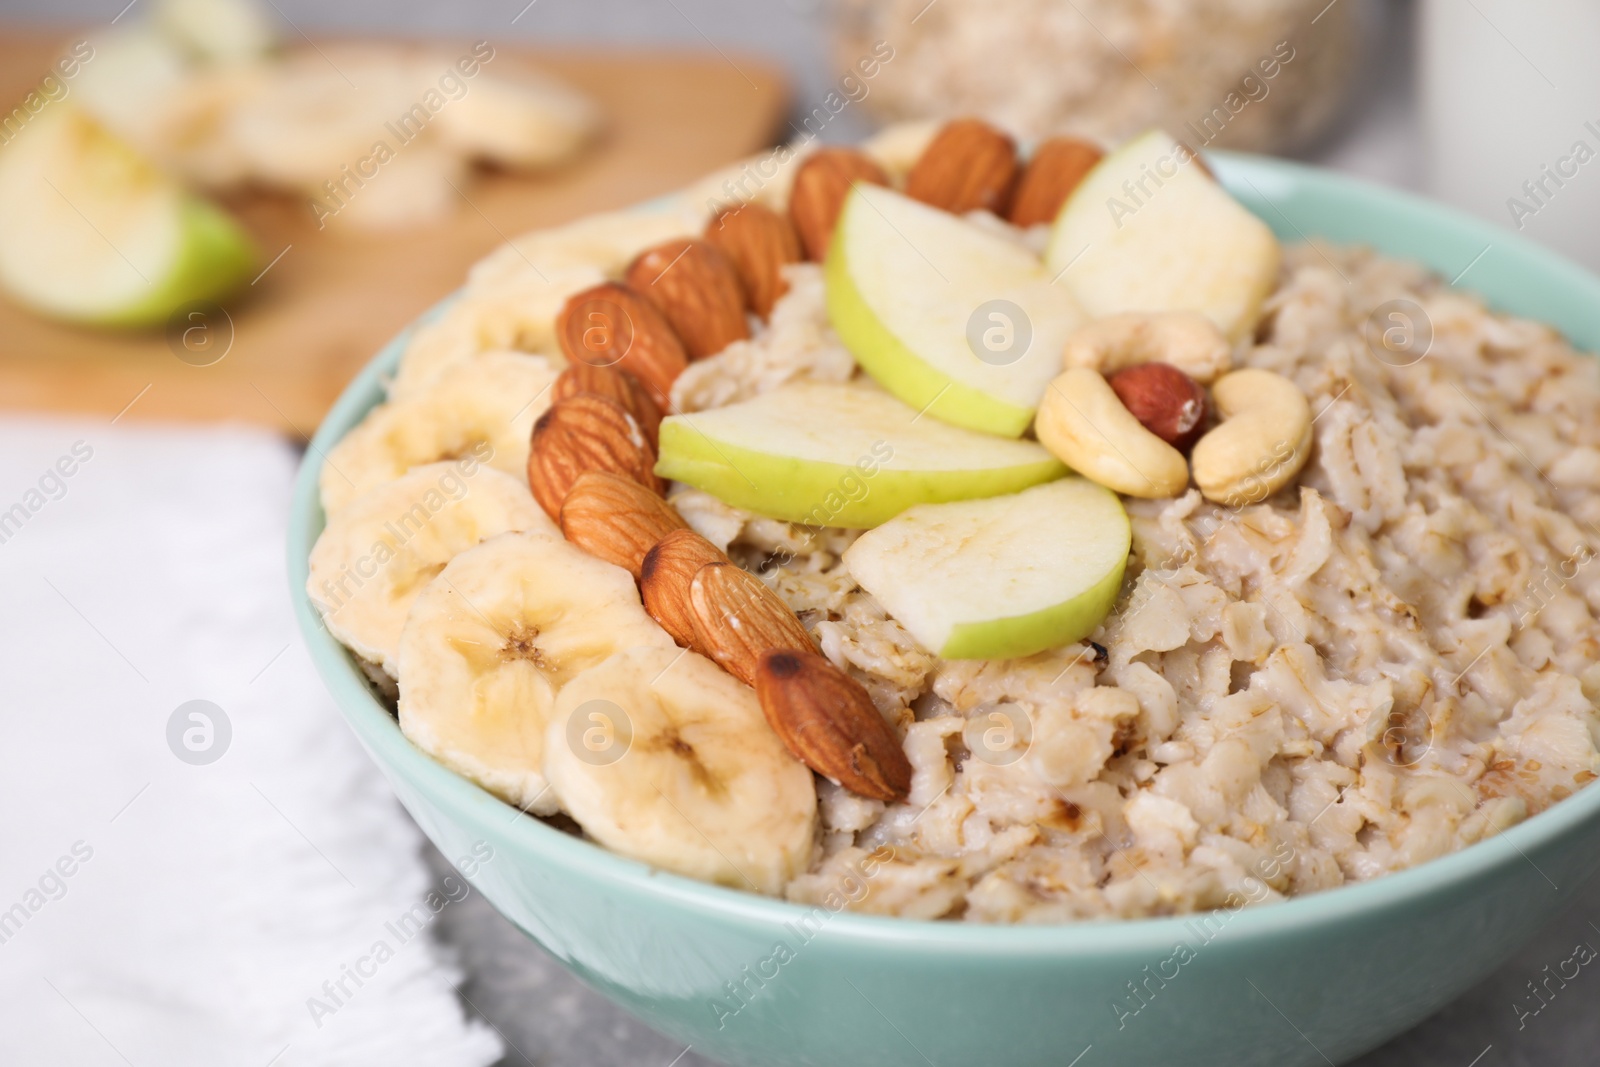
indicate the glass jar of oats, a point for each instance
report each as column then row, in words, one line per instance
column 1259, row 75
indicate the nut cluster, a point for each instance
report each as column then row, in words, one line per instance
column 591, row 466
column 1131, row 405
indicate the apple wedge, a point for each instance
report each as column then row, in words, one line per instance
column 1003, row 577
column 948, row 316
column 92, row 233
column 840, row 455
column 1149, row 230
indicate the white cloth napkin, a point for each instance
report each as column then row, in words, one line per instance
column 156, row 910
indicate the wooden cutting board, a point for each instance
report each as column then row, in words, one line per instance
column 335, row 296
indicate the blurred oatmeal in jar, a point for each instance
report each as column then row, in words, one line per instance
column 1259, row 75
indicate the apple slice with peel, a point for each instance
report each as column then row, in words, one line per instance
column 950, row 317
column 1148, row 229
column 840, row 455
column 92, row 233
column 1003, row 577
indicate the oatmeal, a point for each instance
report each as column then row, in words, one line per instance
column 1387, row 662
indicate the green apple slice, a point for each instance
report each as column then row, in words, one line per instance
column 840, row 455
column 948, row 316
column 1149, row 230
column 91, row 233
column 1003, row 577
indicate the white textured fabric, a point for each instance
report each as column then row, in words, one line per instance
column 156, row 911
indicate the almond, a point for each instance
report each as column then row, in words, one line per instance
column 820, row 186
column 760, row 242
column 1057, row 166
column 736, row 618
column 586, row 433
column 968, row 166
column 828, row 721
column 610, row 325
column 697, row 288
column 615, row 385
column 665, row 576
column 616, row 519
column 1166, row 401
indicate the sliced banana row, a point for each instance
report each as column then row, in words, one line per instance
column 530, row 667
column 482, row 408
column 524, row 662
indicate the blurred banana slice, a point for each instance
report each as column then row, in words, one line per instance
column 217, row 31
column 419, row 185
column 766, row 178
column 514, row 296
column 323, row 111
column 606, row 242
column 133, row 78
column 897, row 148
column 663, row 756
column 529, row 121
column 189, row 131
column 483, row 407
column 376, row 555
column 517, row 312
column 490, row 642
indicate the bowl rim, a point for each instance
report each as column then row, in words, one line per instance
column 380, row 732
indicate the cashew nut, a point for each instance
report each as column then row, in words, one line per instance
column 1262, row 442
column 1187, row 340
column 1081, row 420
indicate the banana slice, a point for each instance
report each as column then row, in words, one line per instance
column 490, row 642
column 606, row 242
column 766, row 178
column 516, row 312
column 528, row 121
column 897, row 148
column 322, row 112
column 483, row 407
column 217, row 31
column 420, row 185
column 377, row 554
column 130, row 79
column 189, row 133
column 662, row 756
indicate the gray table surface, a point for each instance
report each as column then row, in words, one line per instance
column 545, row 1016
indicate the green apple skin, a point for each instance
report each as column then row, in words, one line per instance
column 812, row 492
column 216, row 258
column 900, row 370
column 1023, row 635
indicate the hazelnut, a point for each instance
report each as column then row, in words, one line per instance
column 1166, row 401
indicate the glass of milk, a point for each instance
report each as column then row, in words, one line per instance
column 1510, row 93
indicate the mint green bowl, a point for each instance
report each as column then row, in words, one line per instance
column 1315, row 980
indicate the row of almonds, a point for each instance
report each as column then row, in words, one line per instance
column 592, row 462
column 686, row 299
